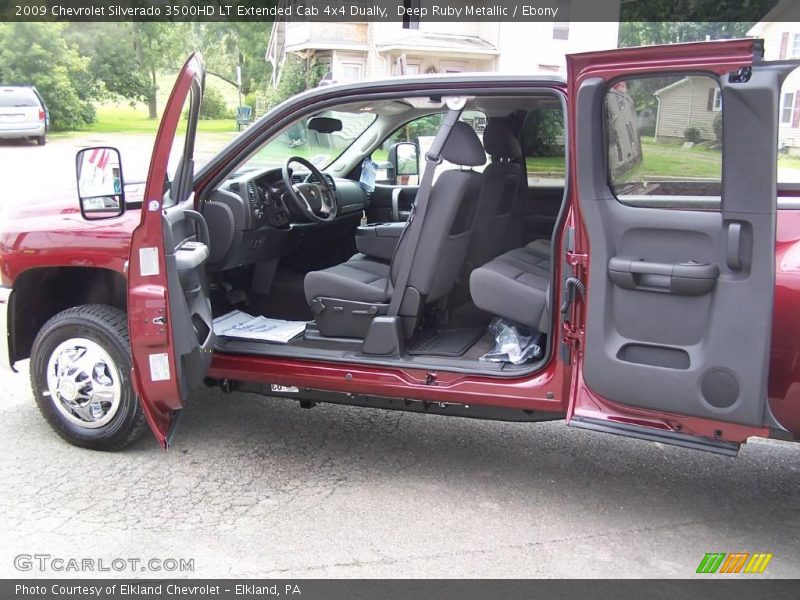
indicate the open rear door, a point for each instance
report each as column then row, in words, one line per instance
column 680, row 253
column 169, row 312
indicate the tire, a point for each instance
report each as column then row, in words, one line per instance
column 41, row 140
column 81, row 340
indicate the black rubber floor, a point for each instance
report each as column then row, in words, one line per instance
column 450, row 342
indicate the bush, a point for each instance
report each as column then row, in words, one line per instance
column 647, row 130
column 692, row 134
column 38, row 54
column 718, row 128
column 213, row 106
column 541, row 132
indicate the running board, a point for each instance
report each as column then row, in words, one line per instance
column 695, row 442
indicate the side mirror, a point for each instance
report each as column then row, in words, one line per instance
column 404, row 158
column 100, row 184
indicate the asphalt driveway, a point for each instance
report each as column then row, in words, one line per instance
column 261, row 487
column 31, row 173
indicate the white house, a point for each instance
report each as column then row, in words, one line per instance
column 780, row 29
column 358, row 50
column 688, row 102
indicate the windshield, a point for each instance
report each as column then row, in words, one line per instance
column 321, row 149
column 17, row 98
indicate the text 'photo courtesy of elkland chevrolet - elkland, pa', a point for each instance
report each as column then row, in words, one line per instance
column 534, row 265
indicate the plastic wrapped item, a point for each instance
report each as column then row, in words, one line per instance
column 513, row 343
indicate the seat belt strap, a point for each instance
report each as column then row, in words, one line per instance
column 433, row 158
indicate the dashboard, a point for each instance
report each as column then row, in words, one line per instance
column 250, row 217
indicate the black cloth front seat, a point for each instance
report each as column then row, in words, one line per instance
column 503, row 183
column 344, row 298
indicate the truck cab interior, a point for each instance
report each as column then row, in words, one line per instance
column 318, row 225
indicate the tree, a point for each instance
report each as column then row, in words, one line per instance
column 158, row 46
column 541, row 131
column 299, row 74
column 695, row 12
column 113, row 59
column 225, row 45
column 127, row 57
column 39, row 54
column 647, row 33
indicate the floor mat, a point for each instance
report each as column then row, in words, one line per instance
column 450, row 342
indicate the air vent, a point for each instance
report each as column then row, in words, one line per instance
column 251, row 193
column 234, row 187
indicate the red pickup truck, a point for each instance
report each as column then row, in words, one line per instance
column 409, row 245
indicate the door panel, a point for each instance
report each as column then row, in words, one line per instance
column 679, row 302
column 169, row 312
column 391, row 203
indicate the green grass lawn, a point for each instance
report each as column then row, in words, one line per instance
column 671, row 159
column 127, row 119
column 546, row 165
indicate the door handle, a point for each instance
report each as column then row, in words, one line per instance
column 396, row 203
column 734, row 245
column 689, row 278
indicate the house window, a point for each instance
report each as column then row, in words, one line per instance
column 404, row 66
column 787, row 108
column 561, row 31
column 453, row 66
column 716, row 104
column 795, row 45
column 351, row 71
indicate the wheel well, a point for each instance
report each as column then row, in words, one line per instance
column 42, row 293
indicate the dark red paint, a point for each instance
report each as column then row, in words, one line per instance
column 56, row 235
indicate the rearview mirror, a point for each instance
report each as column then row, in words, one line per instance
column 100, row 184
column 324, row 124
column 404, row 158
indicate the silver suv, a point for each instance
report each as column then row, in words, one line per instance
column 23, row 114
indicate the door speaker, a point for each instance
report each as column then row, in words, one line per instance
column 720, row 388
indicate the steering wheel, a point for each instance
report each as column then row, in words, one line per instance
column 317, row 201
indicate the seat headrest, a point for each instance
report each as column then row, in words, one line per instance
column 463, row 147
column 500, row 141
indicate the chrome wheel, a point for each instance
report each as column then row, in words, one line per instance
column 83, row 382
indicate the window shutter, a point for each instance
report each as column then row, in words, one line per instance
column 796, row 112
column 784, row 45
column 710, row 105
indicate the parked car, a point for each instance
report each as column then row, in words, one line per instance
column 23, row 114
column 661, row 307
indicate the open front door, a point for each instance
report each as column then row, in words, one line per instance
column 674, row 172
column 169, row 312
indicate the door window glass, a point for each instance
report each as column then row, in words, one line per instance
column 298, row 139
column 789, row 132
column 664, row 137
column 422, row 131
column 543, row 141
